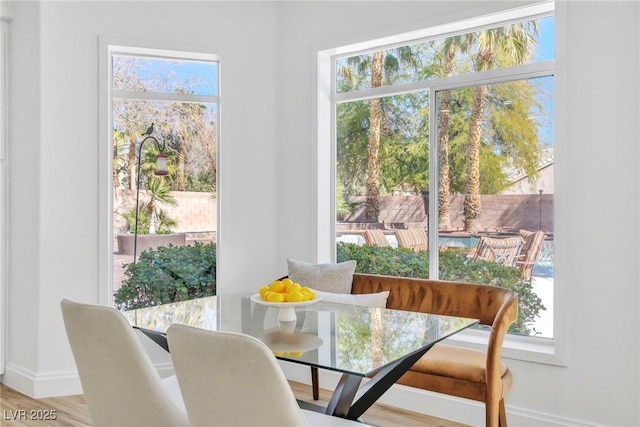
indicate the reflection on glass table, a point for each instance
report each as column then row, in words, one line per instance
column 357, row 341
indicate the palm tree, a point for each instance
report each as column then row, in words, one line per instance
column 451, row 47
column 372, row 208
column 159, row 193
column 119, row 160
column 382, row 64
column 508, row 45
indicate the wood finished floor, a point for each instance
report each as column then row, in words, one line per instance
column 72, row 411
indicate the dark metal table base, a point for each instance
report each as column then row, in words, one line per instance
column 349, row 400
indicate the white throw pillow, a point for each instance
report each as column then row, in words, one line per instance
column 335, row 278
column 378, row 300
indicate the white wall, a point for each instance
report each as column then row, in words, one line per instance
column 55, row 153
column 596, row 194
column 268, row 53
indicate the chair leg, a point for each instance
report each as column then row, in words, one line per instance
column 503, row 415
column 492, row 414
column 315, row 387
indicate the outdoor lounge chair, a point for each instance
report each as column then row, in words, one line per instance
column 376, row 238
column 412, row 238
column 505, row 250
column 530, row 251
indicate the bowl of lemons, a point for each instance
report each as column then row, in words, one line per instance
column 286, row 295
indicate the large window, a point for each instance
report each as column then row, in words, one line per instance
column 163, row 104
column 444, row 159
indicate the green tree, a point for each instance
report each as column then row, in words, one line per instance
column 507, row 136
column 191, row 127
column 503, row 46
column 372, row 209
column 447, row 58
column 380, row 65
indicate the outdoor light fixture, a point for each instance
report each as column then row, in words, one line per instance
column 161, row 165
column 161, row 170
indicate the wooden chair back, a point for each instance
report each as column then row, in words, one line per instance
column 495, row 307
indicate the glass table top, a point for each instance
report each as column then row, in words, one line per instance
column 346, row 338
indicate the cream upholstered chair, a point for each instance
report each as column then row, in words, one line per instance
column 232, row 379
column 119, row 381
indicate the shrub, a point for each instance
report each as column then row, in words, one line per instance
column 455, row 266
column 168, row 274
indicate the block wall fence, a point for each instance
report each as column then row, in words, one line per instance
column 195, row 212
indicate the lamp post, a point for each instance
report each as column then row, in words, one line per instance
column 540, row 208
column 161, row 170
column 425, row 201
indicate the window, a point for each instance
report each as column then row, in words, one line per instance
column 161, row 102
column 450, row 136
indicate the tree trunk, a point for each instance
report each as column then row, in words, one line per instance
column 114, row 166
column 372, row 208
column 444, row 220
column 131, row 170
column 180, row 159
column 472, row 204
column 444, row 180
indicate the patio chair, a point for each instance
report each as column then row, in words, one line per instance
column 412, row 238
column 503, row 251
column 119, row 381
column 376, row 238
column 232, row 379
column 530, row 251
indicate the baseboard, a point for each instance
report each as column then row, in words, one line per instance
column 461, row 410
column 435, row 404
column 40, row 386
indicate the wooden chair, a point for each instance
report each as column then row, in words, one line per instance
column 461, row 372
column 456, row 371
column 503, row 251
column 530, row 251
column 376, row 238
column 412, row 238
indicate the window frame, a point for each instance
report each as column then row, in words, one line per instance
column 107, row 48
column 5, row 20
column 529, row 348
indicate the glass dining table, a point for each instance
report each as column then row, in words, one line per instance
column 357, row 341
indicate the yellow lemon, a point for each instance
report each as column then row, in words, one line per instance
column 293, row 287
column 295, row 297
column 308, row 293
column 275, row 297
column 276, row 286
column 263, row 290
column 296, row 353
column 287, row 281
column 265, row 296
column 278, row 353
